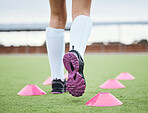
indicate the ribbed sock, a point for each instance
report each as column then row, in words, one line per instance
column 80, row 33
column 56, row 49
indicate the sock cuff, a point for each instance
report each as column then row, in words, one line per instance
column 62, row 79
column 82, row 17
column 54, row 29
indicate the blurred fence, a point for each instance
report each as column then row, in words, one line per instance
column 99, row 47
column 113, row 36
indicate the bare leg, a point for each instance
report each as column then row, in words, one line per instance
column 58, row 14
column 80, row 7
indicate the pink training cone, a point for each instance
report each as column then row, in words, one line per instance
column 30, row 90
column 104, row 100
column 66, row 75
column 112, row 84
column 125, row 76
column 48, row 81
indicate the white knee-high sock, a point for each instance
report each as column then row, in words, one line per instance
column 56, row 49
column 80, row 32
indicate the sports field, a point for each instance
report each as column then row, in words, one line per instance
column 16, row 71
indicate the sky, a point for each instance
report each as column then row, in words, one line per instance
column 38, row 11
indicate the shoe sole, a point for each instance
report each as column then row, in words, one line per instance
column 57, row 92
column 75, row 83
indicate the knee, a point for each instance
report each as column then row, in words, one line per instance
column 59, row 16
column 58, row 20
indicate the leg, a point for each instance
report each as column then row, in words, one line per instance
column 82, row 24
column 58, row 14
column 80, row 7
column 79, row 34
column 56, row 44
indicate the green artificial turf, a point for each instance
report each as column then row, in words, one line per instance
column 18, row 71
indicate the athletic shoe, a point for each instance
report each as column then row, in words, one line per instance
column 58, row 86
column 74, row 64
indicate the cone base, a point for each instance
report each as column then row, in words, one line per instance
column 105, row 99
column 125, row 76
column 31, row 90
column 112, row 84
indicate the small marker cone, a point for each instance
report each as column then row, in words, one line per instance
column 66, row 75
column 112, row 84
column 125, row 76
column 104, row 100
column 49, row 82
column 30, row 90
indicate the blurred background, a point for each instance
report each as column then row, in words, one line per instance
column 118, row 26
